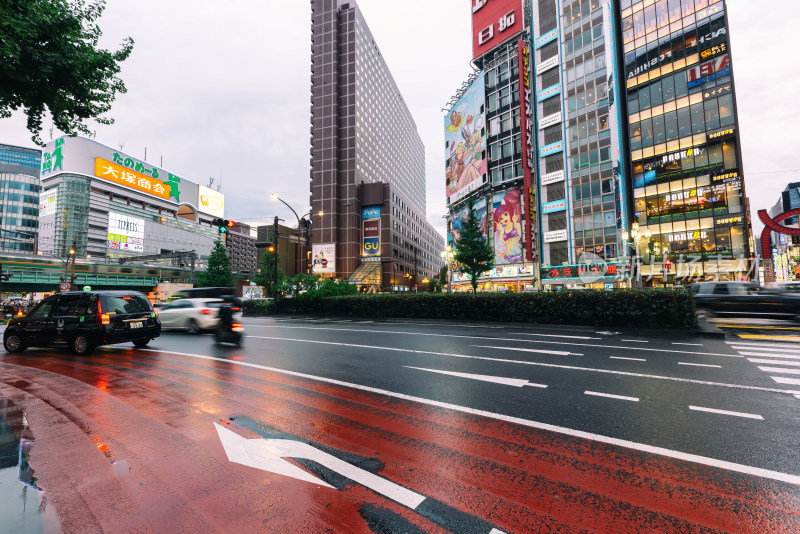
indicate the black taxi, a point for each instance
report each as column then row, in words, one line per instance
column 84, row 320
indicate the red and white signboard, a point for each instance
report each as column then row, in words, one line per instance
column 493, row 23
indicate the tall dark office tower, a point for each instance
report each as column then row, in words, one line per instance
column 362, row 133
column 688, row 188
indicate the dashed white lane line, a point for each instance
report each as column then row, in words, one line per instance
column 610, row 396
column 797, row 396
column 690, row 344
column 770, row 346
column 726, row 412
column 669, row 453
column 554, row 335
column 623, row 358
column 634, row 341
column 700, row 365
column 778, row 362
column 780, row 370
column 784, row 380
column 538, row 351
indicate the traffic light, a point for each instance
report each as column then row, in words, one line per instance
column 270, row 247
column 223, row 224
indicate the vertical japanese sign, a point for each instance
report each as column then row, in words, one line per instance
column 524, row 61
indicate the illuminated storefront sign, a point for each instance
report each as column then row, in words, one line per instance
column 685, row 236
column 548, row 92
column 125, row 233
column 717, row 91
column 130, row 179
column 494, row 22
column 546, row 38
column 527, row 136
column 48, row 201
column 555, row 206
column 584, row 270
column 714, row 50
column 552, row 148
column 372, row 237
column 721, row 133
column 709, row 71
column 211, row 202
column 674, row 156
column 729, row 221
column 370, row 212
column 727, row 178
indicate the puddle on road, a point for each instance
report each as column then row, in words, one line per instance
column 23, row 507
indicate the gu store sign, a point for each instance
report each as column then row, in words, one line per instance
column 372, row 238
column 493, row 23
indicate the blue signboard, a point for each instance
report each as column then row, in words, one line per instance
column 552, row 148
column 545, row 38
column 546, row 93
column 556, row 205
column 371, row 212
column 372, row 246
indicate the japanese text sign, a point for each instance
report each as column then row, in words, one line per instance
column 494, row 22
column 131, row 179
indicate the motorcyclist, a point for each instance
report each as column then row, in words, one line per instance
column 226, row 316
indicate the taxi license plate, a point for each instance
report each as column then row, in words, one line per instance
column 138, row 324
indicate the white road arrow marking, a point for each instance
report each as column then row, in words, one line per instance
column 516, row 382
column 268, row 454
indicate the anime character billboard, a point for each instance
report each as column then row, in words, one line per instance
column 507, row 227
column 454, row 227
column 464, row 141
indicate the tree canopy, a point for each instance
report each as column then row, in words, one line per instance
column 473, row 251
column 50, row 62
column 218, row 273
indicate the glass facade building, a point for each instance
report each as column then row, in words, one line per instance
column 686, row 162
column 19, row 198
column 582, row 146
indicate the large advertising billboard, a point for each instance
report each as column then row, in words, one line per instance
column 464, row 141
column 494, row 22
column 85, row 157
column 324, row 258
column 48, row 201
column 211, row 202
column 125, row 234
column 507, row 227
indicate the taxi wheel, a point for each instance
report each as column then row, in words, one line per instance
column 192, row 327
column 81, row 345
column 141, row 342
column 13, row 343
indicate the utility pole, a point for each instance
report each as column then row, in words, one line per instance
column 74, row 252
column 275, row 234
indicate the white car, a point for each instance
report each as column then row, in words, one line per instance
column 192, row 315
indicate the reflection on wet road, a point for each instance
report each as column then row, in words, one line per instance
column 285, row 435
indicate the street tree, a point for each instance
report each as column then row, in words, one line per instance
column 50, row 62
column 218, row 273
column 472, row 248
column 266, row 278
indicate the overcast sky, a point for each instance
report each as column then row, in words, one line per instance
column 221, row 90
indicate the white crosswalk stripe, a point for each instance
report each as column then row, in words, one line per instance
column 787, row 356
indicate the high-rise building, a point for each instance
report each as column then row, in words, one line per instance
column 582, row 146
column 688, row 185
column 361, row 133
column 241, row 247
column 489, row 147
column 19, row 198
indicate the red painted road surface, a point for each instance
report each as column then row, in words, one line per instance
column 125, row 441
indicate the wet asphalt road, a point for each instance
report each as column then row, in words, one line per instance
column 415, row 427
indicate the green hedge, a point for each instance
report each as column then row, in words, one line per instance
column 651, row 308
column 258, row 307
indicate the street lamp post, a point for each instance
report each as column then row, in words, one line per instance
column 297, row 248
column 634, row 237
column 320, row 213
column 447, row 256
